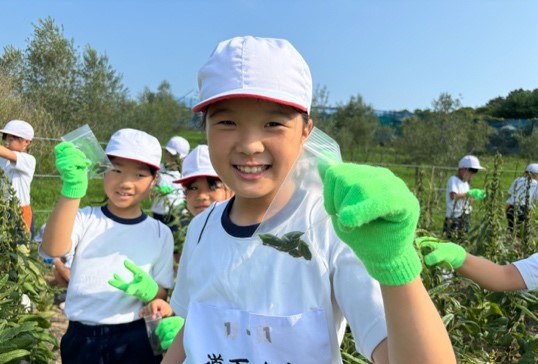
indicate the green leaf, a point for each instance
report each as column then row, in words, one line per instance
column 12, row 355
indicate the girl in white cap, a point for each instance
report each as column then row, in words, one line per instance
column 117, row 237
column 169, row 197
column 522, row 188
column 266, row 276
column 18, row 164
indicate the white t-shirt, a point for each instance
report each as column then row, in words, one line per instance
column 243, row 299
column 456, row 208
column 162, row 204
column 101, row 243
column 518, row 191
column 528, row 268
column 20, row 173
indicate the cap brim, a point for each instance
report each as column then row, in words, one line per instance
column 236, row 95
column 186, row 180
column 136, row 160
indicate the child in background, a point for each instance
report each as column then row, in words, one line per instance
column 516, row 205
column 169, row 196
column 200, row 182
column 459, row 196
column 202, row 188
column 522, row 274
column 18, row 165
column 287, row 301
column 103, row 322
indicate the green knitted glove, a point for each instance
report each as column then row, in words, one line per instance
column 142, row 286
column 477, row 194
column 375, row 213
column 73, row 167
column 168, row 329
column 447, row 252
column 164, row 189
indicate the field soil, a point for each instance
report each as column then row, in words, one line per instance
column 58, row 328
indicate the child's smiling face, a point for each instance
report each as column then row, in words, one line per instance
column 253, row 144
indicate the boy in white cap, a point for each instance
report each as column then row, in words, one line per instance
column 283, row 295
column 104, row 240
column 522, row 188
column 18, row 164
column 167, row 196
column 459, row 196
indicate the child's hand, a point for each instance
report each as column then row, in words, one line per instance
column 157, row 306
column 373, row 212
column 72, row 165
column 447, row 252
column 477, row 194
column 164, row 189
column 142, row 286
column 168, row 329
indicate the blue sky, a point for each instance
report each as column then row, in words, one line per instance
column 396, row 54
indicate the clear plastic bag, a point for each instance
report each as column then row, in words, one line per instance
column 84, row 139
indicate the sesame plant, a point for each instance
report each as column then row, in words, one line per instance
column 24, row 334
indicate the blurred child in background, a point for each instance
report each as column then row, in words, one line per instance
column 18, row 164
column 521, row 187
column 167, row 196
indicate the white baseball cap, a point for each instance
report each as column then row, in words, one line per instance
column 532, row 168
column 135, row 145
column 178, row 145
column 470, row 161
column 197, row 164
column 19, row 128
column 263, row 68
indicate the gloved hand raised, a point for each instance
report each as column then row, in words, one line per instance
column 375, row 213
column 447, row 252
column 73, row 167
column 168, row 329
column 477, row 194
column 143, row 286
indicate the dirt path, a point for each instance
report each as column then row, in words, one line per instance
column 58, row 327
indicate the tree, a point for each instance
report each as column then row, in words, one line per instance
column 101, row 99
column 443, row 135
column 159, row 113
column 50, row 71
column 354, row 125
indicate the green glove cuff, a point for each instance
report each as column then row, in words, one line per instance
column 74, row 191
column 398, row 270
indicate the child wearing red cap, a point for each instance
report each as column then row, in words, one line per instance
column 108, row 243
column 273, row 274
column 18, row 164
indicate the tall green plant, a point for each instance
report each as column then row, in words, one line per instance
column 24, row 333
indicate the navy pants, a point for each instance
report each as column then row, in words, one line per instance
column 103, row 344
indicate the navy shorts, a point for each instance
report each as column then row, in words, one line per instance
column 102, row 344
